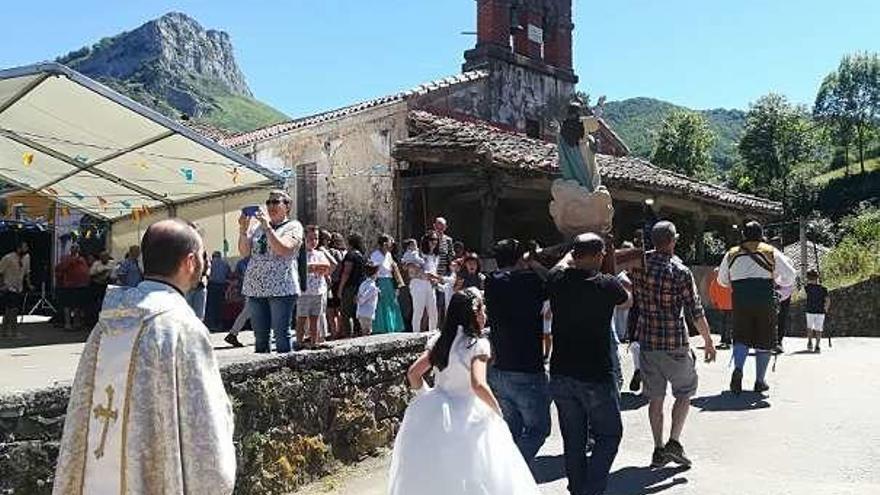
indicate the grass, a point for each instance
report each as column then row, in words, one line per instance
column 854, row 169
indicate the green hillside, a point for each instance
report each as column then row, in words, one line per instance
column 638, row 119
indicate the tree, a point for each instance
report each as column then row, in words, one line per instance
column 684, row 144
column 848, row 102
column 777, row 136
column 829, row 110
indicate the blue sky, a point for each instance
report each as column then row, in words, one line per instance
column 305, row 56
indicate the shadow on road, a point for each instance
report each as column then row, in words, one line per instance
column 548, row 468
column 728, row 401
column 798, row 353
column 644, row 480
column 43, row 333
column 631, row 402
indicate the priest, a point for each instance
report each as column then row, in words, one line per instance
column 148, row 412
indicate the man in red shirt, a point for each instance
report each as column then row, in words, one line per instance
column 72, row 283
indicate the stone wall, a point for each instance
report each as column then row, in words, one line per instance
column 354, row 183
column 855, row 312
column 297, row 416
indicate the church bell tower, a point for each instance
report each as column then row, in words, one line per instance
column 526, row 47
column 536, row 34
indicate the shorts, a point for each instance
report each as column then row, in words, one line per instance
column 678, row 368
column 816, row 322
column 311, row 305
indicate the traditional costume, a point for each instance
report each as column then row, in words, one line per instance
column 148, row 412
column 752, row 270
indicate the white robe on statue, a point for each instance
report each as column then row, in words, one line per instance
column 148, row 413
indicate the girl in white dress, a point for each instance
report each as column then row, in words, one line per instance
column 453, row 440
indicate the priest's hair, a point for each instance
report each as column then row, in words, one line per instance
column 166, row 244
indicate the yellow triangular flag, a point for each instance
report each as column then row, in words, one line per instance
column 27, row 158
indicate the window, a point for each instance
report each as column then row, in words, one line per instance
column 307, row 193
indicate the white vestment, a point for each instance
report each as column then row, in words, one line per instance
column 148, row 413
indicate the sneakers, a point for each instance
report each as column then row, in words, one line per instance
column 232, row 340
column 761, row 387
column 675, row 453
column 778, row 349
column 723, row 346
column 818, row 350
column 809, row 347
column 659, row 458
column 736, row 381
column 636, row 383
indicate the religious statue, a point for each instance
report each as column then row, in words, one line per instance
column 580, row 202
column 577, row 148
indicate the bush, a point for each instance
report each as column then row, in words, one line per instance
column 857, row 257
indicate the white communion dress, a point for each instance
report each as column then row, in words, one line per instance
column 452, row 443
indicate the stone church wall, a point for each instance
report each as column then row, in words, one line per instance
column 354, row 181
column 297, row 417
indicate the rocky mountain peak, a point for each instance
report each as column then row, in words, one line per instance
column 172, row 60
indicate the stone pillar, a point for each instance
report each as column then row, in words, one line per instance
column 699, row 242
column 488, row 206
column 493, row 23
column 558, row 37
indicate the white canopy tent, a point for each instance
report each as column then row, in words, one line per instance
column 66, row 136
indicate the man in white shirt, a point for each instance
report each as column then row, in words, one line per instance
column 15, row 271
column 753, row 269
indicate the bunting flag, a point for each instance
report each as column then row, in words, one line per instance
column 188, row 175
column 142, row 164
column 126, row 203
column 236, row 175
column 103, row 202
column 51, row 191
column 136, row 214
column 145, row 211
column 81, row 158
column 27, row 158
column 78, row 196
column 65, row 211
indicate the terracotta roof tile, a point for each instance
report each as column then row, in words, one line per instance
column 276, row 129
column 479, row 143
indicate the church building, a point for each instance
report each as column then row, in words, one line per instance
column 479, row 149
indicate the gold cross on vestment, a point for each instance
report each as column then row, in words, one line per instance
column 106, row 414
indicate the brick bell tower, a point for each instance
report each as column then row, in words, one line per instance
column 526, row 45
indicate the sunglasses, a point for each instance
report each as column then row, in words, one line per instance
column 275, row 202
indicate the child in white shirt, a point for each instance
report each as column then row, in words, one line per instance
column 368, row 299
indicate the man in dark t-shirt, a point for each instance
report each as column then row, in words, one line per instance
column 582, row 380
column 514, row 296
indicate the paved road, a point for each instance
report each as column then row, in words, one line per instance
column 815, row 433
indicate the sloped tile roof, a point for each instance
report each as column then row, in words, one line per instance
column 420, row 90
column 211, row 132
column 478, row 143
column 793, row 252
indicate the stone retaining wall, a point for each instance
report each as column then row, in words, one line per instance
column 297, row 416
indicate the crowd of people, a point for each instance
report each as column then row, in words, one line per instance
column 510, row 342
column 328, row 286
column 490, row 358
